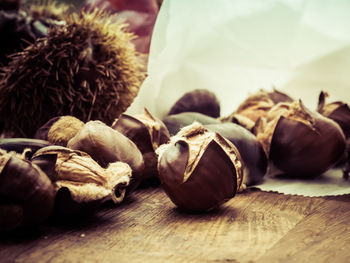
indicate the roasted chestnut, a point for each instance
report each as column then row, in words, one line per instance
column 199, row 100
column 249, row 147
column 106, row 145
column 81, row 183
column 175, row 122
column 340, row 113
column 148, row 133
column 337, row 111
column 299, row 142
column 256, row 106
column 26, row 192
column 199, row 169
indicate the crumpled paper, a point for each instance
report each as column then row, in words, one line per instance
column 235, row 48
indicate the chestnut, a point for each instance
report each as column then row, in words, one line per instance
column 199, row 169
column 26, row 193
column 256, row 106
column 59, row 130
column 176, row 122
column 346, row 168
column 241, row 120
column 20, row 144
column 81, row 184
column 199, row 100
column 340, row 113
column 250, row 149
column 106, row 145
column 148, row 133
column 300, row 142
column 337, row 111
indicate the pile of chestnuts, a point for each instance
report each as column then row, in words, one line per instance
column 200, row 159
column 73, row 163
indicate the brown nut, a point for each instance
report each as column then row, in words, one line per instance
column 250, row 149
column 148, row 133
column 106, row 145
column 26, row 193
column 199, row 170
column 20, row 144
column 59, row 130
column 81, row 184
column 199, row 100
column 337, row 111
column 176, row 122
column 299, row 142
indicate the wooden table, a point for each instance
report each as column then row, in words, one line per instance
column 254, row 226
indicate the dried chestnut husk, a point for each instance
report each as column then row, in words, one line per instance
column 20, row 28
column 199, row 169
column 250, row 149
column 26, row 192
column 81, row 184
column 87, row 68
column 106, row 145
column 346, row 168
column 256, row 106
column 59, row 130
column 299, row 142
column 199, row 100
column 148, row 133
column 176, row 122
column 14, row 27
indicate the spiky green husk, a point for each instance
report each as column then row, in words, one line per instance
column 88, row 69
column 48, row 9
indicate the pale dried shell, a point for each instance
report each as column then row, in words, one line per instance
column 86, row 180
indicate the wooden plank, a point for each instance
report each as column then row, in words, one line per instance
column 148, row 228
column 323, row 236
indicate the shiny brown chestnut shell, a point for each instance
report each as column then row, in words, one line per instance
column 199, row 100
column 305, row 145
column 148, row 133
column 106, row 145
column 250, row 149
column 176, row 122
column 199, row 170
column 337, row 111
column 18, row 145
column 26, row 193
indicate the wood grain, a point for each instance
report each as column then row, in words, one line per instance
column 254, row 226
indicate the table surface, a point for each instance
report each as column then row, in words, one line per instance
column 255, row 226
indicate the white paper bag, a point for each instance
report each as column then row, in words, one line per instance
column 234, row 48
